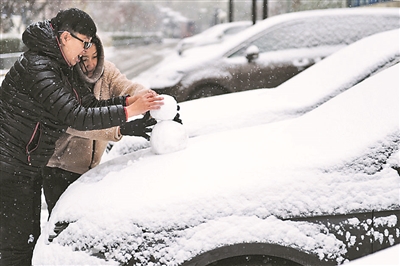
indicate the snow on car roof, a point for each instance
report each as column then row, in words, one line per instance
column 288, row 17
column 301, row 93
column 275, row 20
column 388, row 257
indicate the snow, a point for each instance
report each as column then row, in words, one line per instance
column 295, row 97
column 386, row 257
column 168, row 136
column 214, row 34
column 178, row 204
column 169, row 72
column 167, row 111
column 252, row 50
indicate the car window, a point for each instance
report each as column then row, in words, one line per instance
column 321, row 31
column 234, row 30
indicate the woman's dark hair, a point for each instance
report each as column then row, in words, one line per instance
column 74, row 20
column 96, row 41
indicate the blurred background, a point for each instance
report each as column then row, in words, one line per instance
column 132, row 23
column 159, row 19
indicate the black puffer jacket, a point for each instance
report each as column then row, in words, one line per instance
column 38, row 103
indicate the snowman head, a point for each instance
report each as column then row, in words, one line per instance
column 167, row 111
column 167, row 135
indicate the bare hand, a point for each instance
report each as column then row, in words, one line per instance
column 138, row 94
column 145, row 102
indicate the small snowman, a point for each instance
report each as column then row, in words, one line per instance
column 167, row 135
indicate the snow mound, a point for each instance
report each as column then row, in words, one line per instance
column 167, row 137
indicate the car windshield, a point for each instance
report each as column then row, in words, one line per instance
column 313, row 32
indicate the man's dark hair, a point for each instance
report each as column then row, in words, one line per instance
column 74, row 20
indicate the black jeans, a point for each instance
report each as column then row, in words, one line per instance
column 55, row 182
column 20, row 195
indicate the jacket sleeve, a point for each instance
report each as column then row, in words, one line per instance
column 59, row 99
column 89, row 100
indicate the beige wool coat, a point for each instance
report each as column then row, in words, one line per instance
column 78, row 151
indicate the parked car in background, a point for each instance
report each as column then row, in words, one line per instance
column 318, row 189
column 268, row 53
column 214, row 34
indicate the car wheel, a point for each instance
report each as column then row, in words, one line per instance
column 255, row 260
column 207, row 91
column 255, row 254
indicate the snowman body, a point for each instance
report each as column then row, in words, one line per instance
column 167, row 135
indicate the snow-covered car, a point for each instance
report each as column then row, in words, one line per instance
column 268, row 53
column 319, row 189
column 291, row 99
column 214, row 34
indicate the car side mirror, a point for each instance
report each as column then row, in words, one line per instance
column 252, row 53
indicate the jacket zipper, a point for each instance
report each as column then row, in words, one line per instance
column 28, row 152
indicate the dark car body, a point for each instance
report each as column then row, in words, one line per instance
column 361, row 233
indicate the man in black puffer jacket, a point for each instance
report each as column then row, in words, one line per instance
column 38, row 102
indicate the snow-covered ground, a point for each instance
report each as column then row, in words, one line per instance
column 386, row 257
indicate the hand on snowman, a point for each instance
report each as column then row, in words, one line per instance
column 139, row 127
column 143, row 102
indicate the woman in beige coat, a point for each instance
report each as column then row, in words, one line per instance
column 78, row 151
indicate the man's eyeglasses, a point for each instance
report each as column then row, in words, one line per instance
column 86, row 45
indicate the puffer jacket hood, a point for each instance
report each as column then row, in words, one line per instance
column 41, row 37
column 98, row 72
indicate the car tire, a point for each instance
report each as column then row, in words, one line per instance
column 255, row 254
column 207, row 91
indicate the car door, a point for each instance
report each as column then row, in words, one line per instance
column 385, row 229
